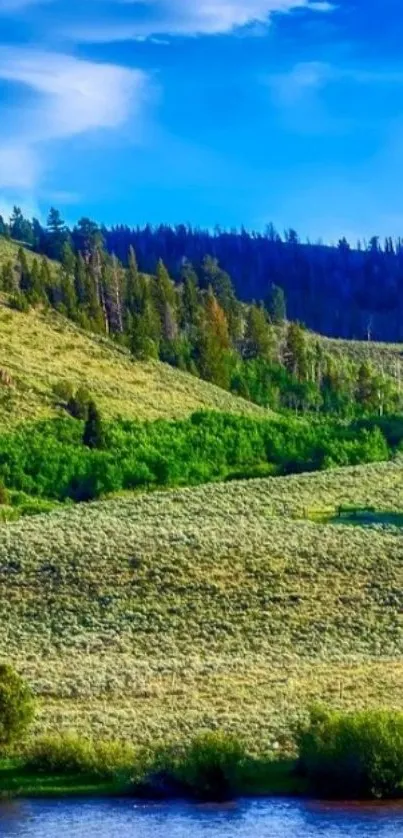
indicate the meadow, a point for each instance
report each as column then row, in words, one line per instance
column 156, row 617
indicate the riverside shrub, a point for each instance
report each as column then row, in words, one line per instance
column 16, row 706
column 209, row 768
column 354, row 755
column 71, row 754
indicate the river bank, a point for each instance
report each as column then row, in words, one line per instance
column 261, row 778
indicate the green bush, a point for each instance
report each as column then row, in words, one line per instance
column 16, row 705
column 208, row 768
column 71, row 754
column 77, row 404
column 48, row 458
column 356, row 755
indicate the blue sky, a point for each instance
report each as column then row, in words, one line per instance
column 229, row 112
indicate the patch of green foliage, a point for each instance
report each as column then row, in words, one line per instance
column 16, row 706
column 356, row 756
column 63, row 458
column 72, row 754
column 208, row 768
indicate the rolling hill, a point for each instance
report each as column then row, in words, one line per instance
column 156, row 616
column 39, row 349
column 232, row 605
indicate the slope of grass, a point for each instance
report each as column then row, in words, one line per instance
column 9, row 253
column 158, row 616
column 385, row 357
column 39, row 349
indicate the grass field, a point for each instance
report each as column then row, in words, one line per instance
column 158, row 616
column 40, row 349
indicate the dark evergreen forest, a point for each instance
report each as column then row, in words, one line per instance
column 350, row 292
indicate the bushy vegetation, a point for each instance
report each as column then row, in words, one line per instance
column 16, row 706
column 207, row 768
column 71, row 754
column 64, row 458
column 356, row 755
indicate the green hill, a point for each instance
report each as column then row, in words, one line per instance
column 224, row 606
column 41, row 349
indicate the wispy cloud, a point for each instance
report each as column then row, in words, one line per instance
column 187, row 18
column 66, row 97
column 301, row 93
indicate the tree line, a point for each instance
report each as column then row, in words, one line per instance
column 192, row 320
column 340, row 291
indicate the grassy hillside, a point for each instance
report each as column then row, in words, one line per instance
column 220, row 606
column 38, row 350
column 9, row 251
column 385, row 357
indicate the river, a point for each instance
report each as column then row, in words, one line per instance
column 246, row 819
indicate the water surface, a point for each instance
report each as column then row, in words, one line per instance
column 247, row 819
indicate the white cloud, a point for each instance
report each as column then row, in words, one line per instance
column 74, row 95
column 307, row 79
column 71, row 97
column 193, row 17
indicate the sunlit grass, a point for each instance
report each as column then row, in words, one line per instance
column 155, row 617
column 39, row 350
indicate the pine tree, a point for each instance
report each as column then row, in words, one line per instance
column 190, row 307
column 214, row 343
column 164, row 291
column 20, row 227
column 93, row 436
column 111, row 291
column 259, row 337
column 4, row 228
column 295, row 353
column 221, row 284
column 48, row 284
column 68, row 293
column 80, row 280
column 276, row 305
column 8, row 278
column 36, row 292
column 133, row 292
column 24, row 272
column 367, row 389
column 57, row 234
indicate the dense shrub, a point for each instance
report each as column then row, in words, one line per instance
column 16, row 705
column 71, row 754
column 209, row 768
column 356, row 755
column 48, row 459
